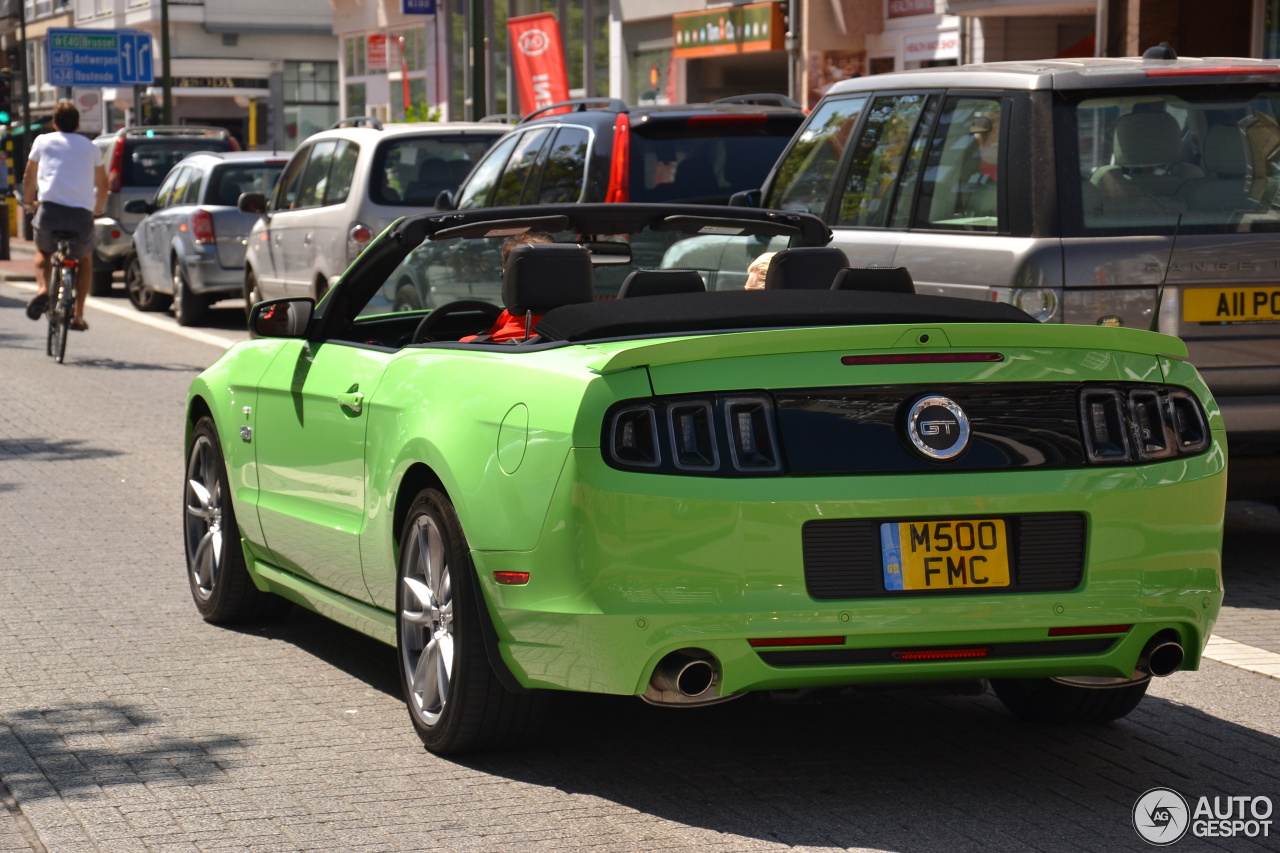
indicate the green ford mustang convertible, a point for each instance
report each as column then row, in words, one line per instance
column 645, row 480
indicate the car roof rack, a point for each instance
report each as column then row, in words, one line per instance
column 357, row 121
column 763, row 99
column 581, row 105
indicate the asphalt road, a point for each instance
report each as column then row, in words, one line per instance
column 128, row 724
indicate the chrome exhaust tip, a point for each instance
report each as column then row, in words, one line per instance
column 686, row 677
column 1162, row 659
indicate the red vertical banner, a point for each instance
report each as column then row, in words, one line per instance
column 538, row 61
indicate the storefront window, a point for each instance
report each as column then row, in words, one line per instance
column 1271, row 29
column 356, row 100
column 310, row 99
column 354, row 54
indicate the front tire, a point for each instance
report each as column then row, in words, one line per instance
column 454, row 698
column 252, row 295
column 1069, row 701
column 142, row 295
column 216, row 571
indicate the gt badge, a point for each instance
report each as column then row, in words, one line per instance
column 938, row 427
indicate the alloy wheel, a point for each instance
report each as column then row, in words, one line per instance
column 204, row 517
column 426, row 620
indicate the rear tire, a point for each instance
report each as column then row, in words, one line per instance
column 142, row 295
column 189, row 309
column 454, row 698
column 61, row 307
column 216, row 571
column 1059, row 702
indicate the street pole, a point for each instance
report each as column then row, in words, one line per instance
column 477, row 60
column 24, row 145
column 166, row 90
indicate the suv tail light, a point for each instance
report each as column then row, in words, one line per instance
column 202, row 227
column 620, row 168
column 115, row 176
column 357, row 238
column 235, row 146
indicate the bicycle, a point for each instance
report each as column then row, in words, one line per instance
column 62, row 294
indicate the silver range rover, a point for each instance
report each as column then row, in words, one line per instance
column 1137, row 192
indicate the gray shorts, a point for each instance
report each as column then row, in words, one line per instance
column 52, row 217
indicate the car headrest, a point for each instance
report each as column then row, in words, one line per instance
column 881, row 279
column 661, row 283
column 1147, row 139
column 806, row 268
column 542, row 276
column 1224, row 151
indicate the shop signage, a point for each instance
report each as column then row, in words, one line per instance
column 376, row 51
column 906, row 8
column 417, row 7
column 734, row 29
column 219, row 83
column 926, row 46
column 539, row 69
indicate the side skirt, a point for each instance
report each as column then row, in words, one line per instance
column 370, row 621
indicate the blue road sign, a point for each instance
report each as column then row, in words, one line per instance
column 417, row 7
column 87, row 57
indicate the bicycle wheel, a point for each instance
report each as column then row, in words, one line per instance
column 52, row 313
column 66, row 307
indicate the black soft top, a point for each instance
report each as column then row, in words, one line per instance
column 692, row 313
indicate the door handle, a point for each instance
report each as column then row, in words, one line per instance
column 306, row 241
column 352, row 400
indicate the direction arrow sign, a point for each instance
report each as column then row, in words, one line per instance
column 100, row 57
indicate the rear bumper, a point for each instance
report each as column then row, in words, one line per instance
column 632, row 567
column 114, row 242
column 207, row 276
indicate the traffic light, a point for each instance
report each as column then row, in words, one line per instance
column 6, row 96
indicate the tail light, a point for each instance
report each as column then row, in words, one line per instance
column 357, row 238
column 752, row 442
column 235, row 146
column 714, row 435
column 620, row 168
column 1141, row 424
column 115, row 175
column 634, row 438
column 202, row 227
column 692, row 436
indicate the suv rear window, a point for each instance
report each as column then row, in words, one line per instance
column 1199, row 159
column 413, row 170
column 148, row 160
column 227, row 182
column 712, row 158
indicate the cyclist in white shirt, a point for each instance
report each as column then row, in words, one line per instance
column 67, row 170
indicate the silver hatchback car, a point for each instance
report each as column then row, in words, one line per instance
column 1129, row 192
column 189, row 250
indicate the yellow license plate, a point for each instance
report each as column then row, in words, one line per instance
column 972, row 553
column 1230, row 304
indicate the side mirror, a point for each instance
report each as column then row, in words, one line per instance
column 444, row 201
column 139, row 205
column 252, row 203
column 281, row 318
column 746, row 198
